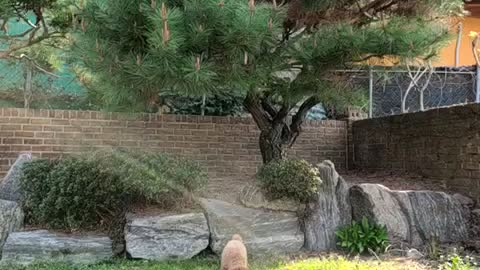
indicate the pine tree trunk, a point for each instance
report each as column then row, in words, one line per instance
column 271, row 146
column 276, row 134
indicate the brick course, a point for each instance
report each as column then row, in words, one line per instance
column 441, row 144
column 226, row 146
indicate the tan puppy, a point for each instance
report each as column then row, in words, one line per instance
column 234, row 255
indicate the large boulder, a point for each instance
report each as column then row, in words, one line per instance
column 252, row 196
column 380, row 205
column 264, row 232
column 10, row 186
column 475, row 224
column 167, row 237
column 329, row 211
column 11, row 219
column 43, row 246
column 412, row 217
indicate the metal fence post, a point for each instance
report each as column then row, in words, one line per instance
column 459, row 44
column 370, row 91
column 477, row 85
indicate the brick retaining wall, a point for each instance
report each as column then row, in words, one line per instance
column 226, row 146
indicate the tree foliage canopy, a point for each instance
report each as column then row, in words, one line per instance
column 47, row 21
column 277, row 54
column 150, row 47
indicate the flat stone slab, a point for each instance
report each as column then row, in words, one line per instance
column 252, row 196
column 11, row 219
column 43, row 246
column 167, row 237
column 264, row 232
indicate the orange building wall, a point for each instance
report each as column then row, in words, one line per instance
column 470, row 23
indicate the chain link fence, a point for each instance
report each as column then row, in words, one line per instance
column 395, row 91
column 391, row 91
column 26, row 85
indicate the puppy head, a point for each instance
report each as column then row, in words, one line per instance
column 237, row 237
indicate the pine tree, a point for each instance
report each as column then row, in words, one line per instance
column 47, row 23
column 279, row 55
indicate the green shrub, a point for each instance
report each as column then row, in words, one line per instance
column 294, row 179
column 156, row 177
column 34, row 182
column 71, row 194
column 456, row 262
column 82, row 192
column 363, row 236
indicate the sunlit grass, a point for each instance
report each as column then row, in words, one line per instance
column 344, row 264
column 339, row 263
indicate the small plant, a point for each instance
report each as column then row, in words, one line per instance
column 433, row 247
column 294, row 179
column 363, row 236
column 456, row 262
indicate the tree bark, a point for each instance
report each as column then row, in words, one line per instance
column 271, row 147
column 276, row 134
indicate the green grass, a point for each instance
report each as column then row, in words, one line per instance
column 212, row 264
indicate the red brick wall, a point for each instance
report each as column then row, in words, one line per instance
column 442, row 144
column 226, row 146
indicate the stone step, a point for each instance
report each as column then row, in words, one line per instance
column 44, row 246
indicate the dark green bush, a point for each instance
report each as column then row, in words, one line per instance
column 294, row 179
column 73, row 193
column 360, row 237
column 91, row 192
column 35, row 185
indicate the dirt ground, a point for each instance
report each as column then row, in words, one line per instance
column 228, row 189
column 395, row 181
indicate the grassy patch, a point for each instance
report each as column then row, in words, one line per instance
column 212, row 264
column 344, row 264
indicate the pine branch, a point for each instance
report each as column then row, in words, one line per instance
column 45, row 27
column 26, row 20
column 300, row 116
column 260, row 116
column 269, row 108
column 24, row 44
column 21, row 35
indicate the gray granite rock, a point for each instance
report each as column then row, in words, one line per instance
column 464, row 200
column 411, row 217
column 264, row 232
column 414, row 254
column 475, row 224
column 439, row 214
column 10, row 187
column 167, row 237
column 379, row 205
column 252, row 196
column 11, row 219
column 43, row 246
column 330, row 211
